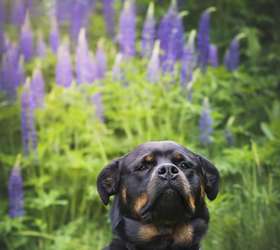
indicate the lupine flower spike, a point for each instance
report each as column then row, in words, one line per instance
column 12, row 71
column 18, row 12
column 41, row 49
column 82, row 59
column 154, row 70
column 15, row 191
column 203, row 38
column 99, row 109
column 171, row 36
column 205, row 124
column 148, row 33
column 26, row 39
column 126, row 36
column 101, row 61
column 2, row 12
column 117, row 74
column 20, row 73
column 232, row 56
column 109, row 15
column 188, row 60
column 213, row 55
column 37, row 88
column 64, row 66
column 54, row 35
column 2, row 38
column 63, row 9
column 79, row 18
column 92, row 68
column 28, row 130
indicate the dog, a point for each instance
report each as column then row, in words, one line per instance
column 159, row 197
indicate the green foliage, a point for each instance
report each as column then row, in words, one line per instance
column 63, row 210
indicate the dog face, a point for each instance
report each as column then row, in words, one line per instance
column 160, row 182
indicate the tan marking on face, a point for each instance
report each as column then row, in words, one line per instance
column 147, row 232
column 178, row 156
column 149, row 158
column 191, row 202
column 202, row 191
column 124, row 195
column 183, row 234
column 140, row 202
column 185, row 183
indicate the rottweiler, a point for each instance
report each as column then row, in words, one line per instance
column 159, row 197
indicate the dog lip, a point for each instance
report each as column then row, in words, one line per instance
column 168, row 188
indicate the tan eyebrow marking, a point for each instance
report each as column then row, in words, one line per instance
column 149, row 158
column 178, row 156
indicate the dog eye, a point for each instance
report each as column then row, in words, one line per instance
column 142, row 167
column 185, row 164
column 177, row 158
column 147, row 162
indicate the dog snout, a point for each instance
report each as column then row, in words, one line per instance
column 168, row 172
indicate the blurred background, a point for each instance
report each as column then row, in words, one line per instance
column 84, row 81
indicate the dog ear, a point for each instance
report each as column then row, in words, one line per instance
column 108, row 181
column 211, row 178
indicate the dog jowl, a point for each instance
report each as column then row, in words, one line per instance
column 159, row 197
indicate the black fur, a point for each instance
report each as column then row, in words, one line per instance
column 159, row 197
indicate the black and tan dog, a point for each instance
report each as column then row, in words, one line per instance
column 159, row 201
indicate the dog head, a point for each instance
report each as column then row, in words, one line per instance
column 160, row 182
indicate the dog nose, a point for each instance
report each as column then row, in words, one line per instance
column 168, row 172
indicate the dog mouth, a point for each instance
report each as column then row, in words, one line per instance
column 167, row 206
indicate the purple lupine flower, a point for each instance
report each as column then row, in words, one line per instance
column 28, row 130
column 37, row 88
column 86, row 68
column 171, row 36
column 20, row 72
column 187, row 66
column 6, row 43
column 2, row 39
column 16, row 194
column 127, row 23
column 54, row 35
column 117, row 74
column 101, row 61
column 232, row 56
column 92, row 68
column 63, row 74
column 213, row 55
column 33, row 7
column 18, row 12
column 148, row 33
column 79, row 18
column 12, row 72
column 63, row 9
column 205, row 124
column 188, row 61
column 25, row 112
column 154, row 71
column 203, row 38
column 26, row 39
column 82, row 59
column 2, row 12
column 41, row 49
column 99, row 109
column 109, row 15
